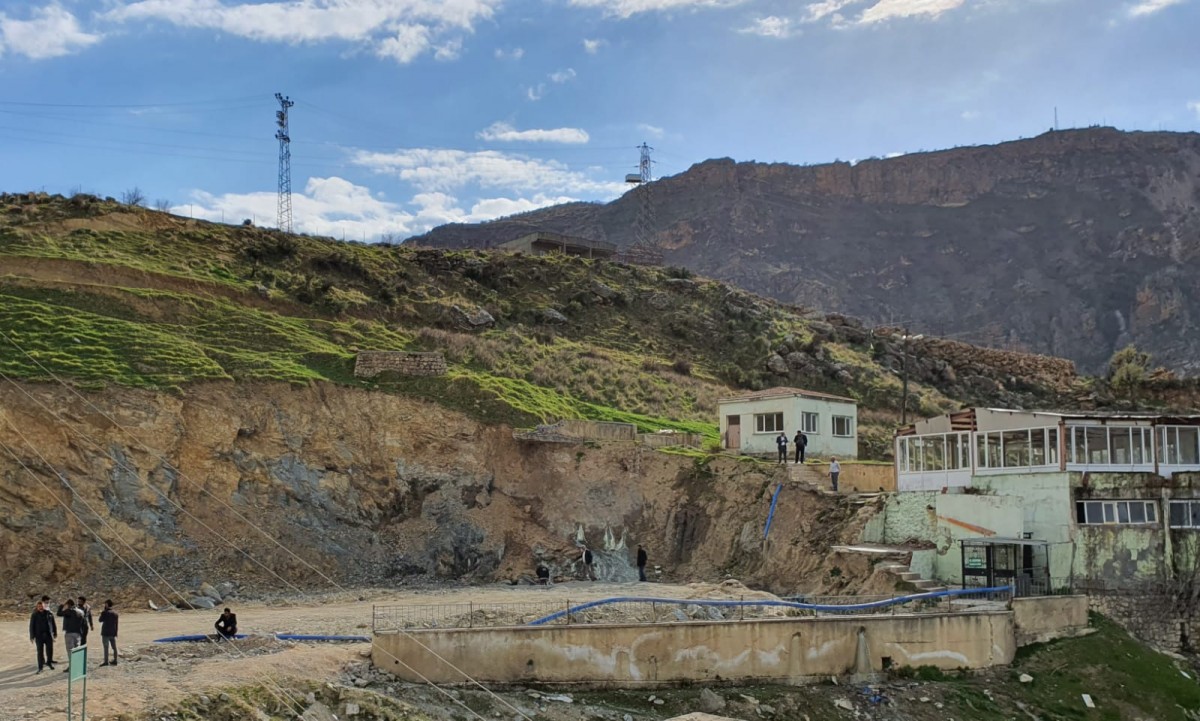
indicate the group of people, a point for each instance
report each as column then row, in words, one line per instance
column 77, row 623
column 801, row 443
column 589, row 566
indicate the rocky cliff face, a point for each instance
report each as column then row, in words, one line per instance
column 1073, row 243
column 368, row 488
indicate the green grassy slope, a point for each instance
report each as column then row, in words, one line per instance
column 102, row 293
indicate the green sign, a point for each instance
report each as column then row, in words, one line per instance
column 77, row 659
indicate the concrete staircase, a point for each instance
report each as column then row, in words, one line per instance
column 904, row 573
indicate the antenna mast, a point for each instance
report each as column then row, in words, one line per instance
column 644, row 249
column 284, row 202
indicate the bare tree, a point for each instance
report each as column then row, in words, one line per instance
column 162, row 205
column 133, row 196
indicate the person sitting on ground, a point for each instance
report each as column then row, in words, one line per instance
column 226, row 625
column 589, row 567
column 543, row 575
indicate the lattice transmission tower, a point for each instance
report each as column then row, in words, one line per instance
column 284, row 201
column 644, row 250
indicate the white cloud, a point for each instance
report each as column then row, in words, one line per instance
column 504, row 132
column 337, row 208
column 1149, row 7
column 442, row 170
column 816, row 11
column 629, row 8
column 514, row 54
column 388, row 25
column 652, row 130
column 1194, row 106
column 970, row 115
column 591, row 47
column 450, row 50
column 562, row 76
column 536, row 92
column 50, row 32
column 771, row 26
column 888, row 9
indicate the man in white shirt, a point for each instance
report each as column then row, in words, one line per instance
column 834, row 469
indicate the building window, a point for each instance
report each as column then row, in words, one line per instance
column 843, row 426
column 768, row 422
column 1180, row 445
column 1029, row 448
column 810, row 423
column 1115, row 512
column 1185, row 514
column 934, row 452
column 1110, row 446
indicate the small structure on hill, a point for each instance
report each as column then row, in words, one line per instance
column 370, row 363
column 545, row 243
column 751, row 422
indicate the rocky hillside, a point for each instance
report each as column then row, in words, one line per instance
column 166, row 382
column 1074, row 243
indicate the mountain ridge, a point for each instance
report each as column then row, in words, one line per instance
column 1072, row 243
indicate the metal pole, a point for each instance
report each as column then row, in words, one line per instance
column 904, row 371
column 470, row 614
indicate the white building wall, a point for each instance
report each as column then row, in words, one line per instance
column 822, row 443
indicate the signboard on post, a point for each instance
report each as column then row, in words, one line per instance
column 77, row 659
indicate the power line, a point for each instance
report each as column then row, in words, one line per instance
column 191, row 103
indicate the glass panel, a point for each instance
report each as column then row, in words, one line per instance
column 1109, row 516
column 1078, row 449
column 1179, row 514
column 1097, row 446
column 1137, row 512
column 1151, row 512
column 1170, row 447
column 1037, row 447
column 1052, row 446
column 1095, row 512
column 1195, row 514
column 1189, row 447
column 994, row 458
column 1080, row 512
column 1016, row 449
column 1123, row 512
column 952, row 452
column 1141, row 446
column 981, row 450
column 1119, row 440
column 935, row 453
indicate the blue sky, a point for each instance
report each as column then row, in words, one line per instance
column 413, row 113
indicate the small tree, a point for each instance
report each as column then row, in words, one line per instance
column 162, row 205
column 133, row 196
column 1127, row 371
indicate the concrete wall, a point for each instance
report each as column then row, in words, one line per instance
column 904, row 517
column 1048, row 509
column 597, row 430
column 784, row 650
column 665, row 440
column 822, row 443
column 968, row 515
column 1046, row 618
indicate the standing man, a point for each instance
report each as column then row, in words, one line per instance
column 43, row 632
column 781, row 444
column 834, row 469
column 641, row 563
column 589, row 564
column 226, row 625
column 89, row 625
column 72, row 625
column 108, row 632
column 801, row 442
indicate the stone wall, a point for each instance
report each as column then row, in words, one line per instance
column 666, row 440
column 1150, row 615
column 788, row 650
column 371, row 363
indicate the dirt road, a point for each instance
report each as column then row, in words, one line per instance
column 155, row 675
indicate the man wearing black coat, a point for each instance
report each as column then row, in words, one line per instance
column 641, row 562
column 108, row 632
column 73, row 623
column 43, row 631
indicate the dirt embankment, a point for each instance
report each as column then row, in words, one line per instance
column 368, row 488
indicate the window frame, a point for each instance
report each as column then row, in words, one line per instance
column 815, row 428
column 849, row 426
column 1191, row 514
column 759, row 424
column 1111, row 510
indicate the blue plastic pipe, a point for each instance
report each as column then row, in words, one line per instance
column 771, row 513
column 280, row 636
column 782, row 604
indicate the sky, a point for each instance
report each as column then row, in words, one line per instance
column 413, row 113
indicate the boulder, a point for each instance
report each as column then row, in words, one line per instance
column 475, row 317
column 201, row 602
column 551, row 316
column 210, row 591
column 711, row 701
column 602, row 290
column 777, row 365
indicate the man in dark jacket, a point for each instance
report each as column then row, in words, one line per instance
column 89, row 623
column 43, row 631
column 108, row 632
column 801, row 442
column 73, row 624
column 226, row 625
column 641, row 563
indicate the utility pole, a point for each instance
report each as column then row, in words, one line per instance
column 284, row 201
column 644, row 248
column 904, row 371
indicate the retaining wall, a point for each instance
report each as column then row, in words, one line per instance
column 1045, row 618
column 664, row 440
column 368, row 364
column 782, row 650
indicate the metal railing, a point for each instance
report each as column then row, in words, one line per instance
column 613, row 611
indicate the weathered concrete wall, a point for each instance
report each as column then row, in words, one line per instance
column 664, row 440
column 904, row 517
column 822, row 443
column 1048, row 509
column 862, row 477
column 969, row 515
column 783, row 650
column 370, row 363
column 597, row 430
column 1046, row 618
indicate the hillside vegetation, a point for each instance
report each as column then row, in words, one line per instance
column 101, row 293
